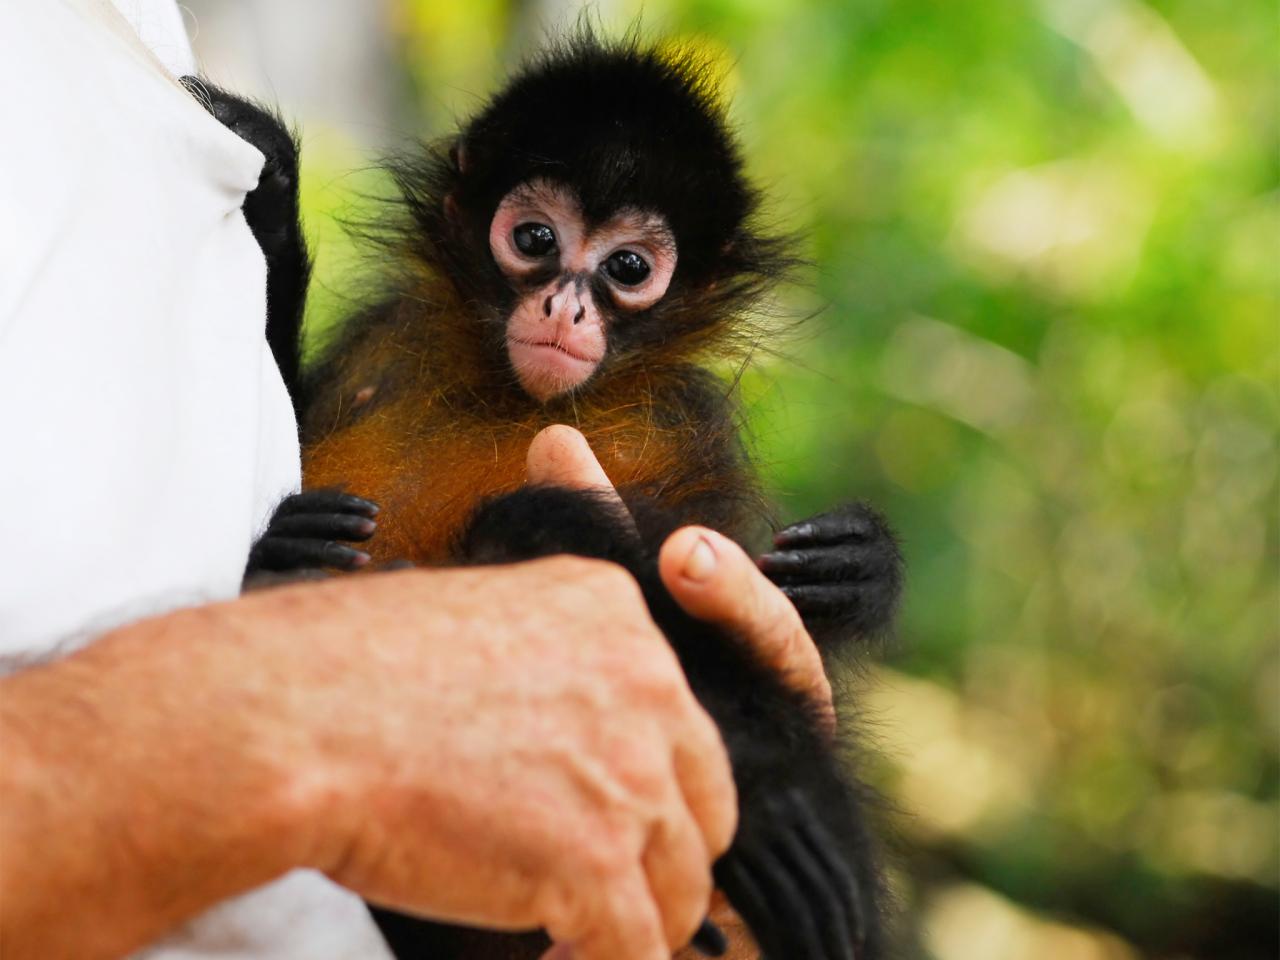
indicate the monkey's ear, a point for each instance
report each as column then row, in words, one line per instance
column 458, row 155
column 451, row 211
column 457, row 160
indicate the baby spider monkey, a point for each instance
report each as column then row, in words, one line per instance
column 578, row 253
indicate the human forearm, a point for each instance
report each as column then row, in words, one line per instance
column 139, row 786
column 424, row 738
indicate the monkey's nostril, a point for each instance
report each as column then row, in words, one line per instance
column 546, row 306
column 577, row 317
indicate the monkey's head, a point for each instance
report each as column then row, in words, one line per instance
column 597, row 209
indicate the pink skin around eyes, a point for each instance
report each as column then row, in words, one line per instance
column 556, row 335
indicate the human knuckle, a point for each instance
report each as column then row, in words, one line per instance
column 607, row 858
column 693, row 907
column 640, row 768
column 723, row 825
column 720, row 837
column 658, row 681
column 691, row 877
column 562, row 903
column 682, row 896
column 645, row 673
column 617, row 582
column 609, row 584
column 682, row 918
column 715, row 758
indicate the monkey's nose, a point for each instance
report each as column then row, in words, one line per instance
column 564, row 307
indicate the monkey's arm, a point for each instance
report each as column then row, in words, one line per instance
column 842, row 570
column 271, row 210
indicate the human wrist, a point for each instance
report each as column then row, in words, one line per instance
column 298, row 807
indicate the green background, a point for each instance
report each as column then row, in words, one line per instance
column 1046, row 283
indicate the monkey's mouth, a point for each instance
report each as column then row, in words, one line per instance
column 547, row 368
column 555, row 345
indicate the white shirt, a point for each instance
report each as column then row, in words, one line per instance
column 145, row 429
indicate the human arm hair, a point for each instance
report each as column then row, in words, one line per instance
column 358, row 727
column 140, row 786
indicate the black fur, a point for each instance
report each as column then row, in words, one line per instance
column 271, row 210
column 305, row 533
column 802, row 870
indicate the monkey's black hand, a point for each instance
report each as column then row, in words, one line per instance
column 785, row 878
column 304, row 532
column 271, row 210
column 842, row 570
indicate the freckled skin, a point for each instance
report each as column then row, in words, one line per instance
column 557, row 334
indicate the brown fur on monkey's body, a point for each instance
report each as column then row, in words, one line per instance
column 407, row 414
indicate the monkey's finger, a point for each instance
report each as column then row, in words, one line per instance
column 629, row 928
column 710, row 940
column 836, row 611
column 754, row 906
column 324, row 526
column 327, row 501
column 822, row 846
column 843, row 562
column 713, row 579
column 856, row 521
column 828, row 897
column 290, row 553
column 677, row 864
column 823, row 599
column 792, row 902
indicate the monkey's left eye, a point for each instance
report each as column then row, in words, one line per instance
column 534, row 239
column 627, row 267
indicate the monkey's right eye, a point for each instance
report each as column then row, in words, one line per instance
column 534, row 239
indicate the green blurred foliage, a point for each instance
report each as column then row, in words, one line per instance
column 1047, row 343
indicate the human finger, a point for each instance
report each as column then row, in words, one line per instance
column 678, row 866
column 706, row 782
column 560, row 456
column 713, row 579
column 627, row 927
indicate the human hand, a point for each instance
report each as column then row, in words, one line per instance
column 460, row 743
column 491, row 762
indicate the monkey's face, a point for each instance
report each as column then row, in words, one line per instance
column 573, row 280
